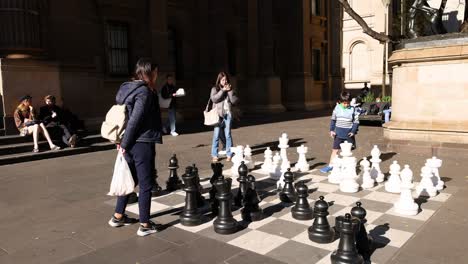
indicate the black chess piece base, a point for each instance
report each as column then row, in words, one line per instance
column 225, row 227
column 251, row 216
column 190, row 219
column 302, row 214
column 322, row 235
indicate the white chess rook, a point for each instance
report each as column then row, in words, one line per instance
column 393, row 183
column 275, row 171
column 405, row 204
column 426, row 186
column 435, row 164
column 302, row 164
column 237, row 160
column 367, row 181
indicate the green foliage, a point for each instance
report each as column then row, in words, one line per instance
column 387, row 99
column 369, row 98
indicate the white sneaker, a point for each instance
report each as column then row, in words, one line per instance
column 174, row 134
column 222, row 152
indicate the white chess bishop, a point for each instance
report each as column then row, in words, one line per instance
column 367, row 181
column 434, row 163
column 248, row 157
column 426, row 186
column 302, row 164
column 268, row 162
column 405, row 204
column 375, row 172
column 237, row 160
column 335, row 174
column 393, row 183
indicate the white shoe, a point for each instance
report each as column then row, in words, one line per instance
column 174, row 134
column 222, row 152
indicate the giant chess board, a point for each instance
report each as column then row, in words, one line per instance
column 284, row 238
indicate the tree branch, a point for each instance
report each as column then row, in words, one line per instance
column 365, row 28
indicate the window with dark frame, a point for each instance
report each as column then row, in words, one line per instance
column 315, row 7
column 316, row 65
column 117, row 48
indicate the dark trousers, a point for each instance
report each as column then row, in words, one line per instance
column 140, row 159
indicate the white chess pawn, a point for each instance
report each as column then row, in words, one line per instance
column 283, row 146
column 405, row 204
column 348, row 182
column 237, row 160
column 275, row 171
column 285, row 165
column 268, row 162
column 375, row 172
column 248, row 157
column 302, row 164
column 435, row 164
column 426, row 186
column 367, row 181
column 335, row 174
column 393, row 183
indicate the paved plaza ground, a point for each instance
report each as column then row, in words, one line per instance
column 56, row 210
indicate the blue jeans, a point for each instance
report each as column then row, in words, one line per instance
column 387, row 113
column 225, row 125
column 141, row 160
column 171, row 114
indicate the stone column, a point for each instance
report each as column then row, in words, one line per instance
column 264, row 87
column 159, row 34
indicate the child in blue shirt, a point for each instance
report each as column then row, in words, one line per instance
column 343, row 126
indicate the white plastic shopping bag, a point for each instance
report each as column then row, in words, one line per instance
column 122, row 180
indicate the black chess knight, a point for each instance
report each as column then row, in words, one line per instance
column 190, row 215
column 302, row 210
column 347, row 252
column 225, row 222
column 288, row 193
column 363, row 240
column 320, row 231
column 251, row 210
column 173, row 183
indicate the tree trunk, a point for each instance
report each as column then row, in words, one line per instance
column 365, row 28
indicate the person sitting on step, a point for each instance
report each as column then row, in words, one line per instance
column 53, row 117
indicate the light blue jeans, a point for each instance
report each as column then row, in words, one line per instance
column 225, row 124
column 171, row 120
column 387, row 113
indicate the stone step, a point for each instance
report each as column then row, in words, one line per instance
column 30, row 156
column 20, row 147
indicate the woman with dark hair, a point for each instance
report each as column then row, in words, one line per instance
column 27, row 124
column 223, row 97
column 143, row 130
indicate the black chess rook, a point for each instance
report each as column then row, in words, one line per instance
column 225, row 223
column 347, row 252
column 251, row 211
column 190, row 215
column 302, row 210
column 321, row 231
column 288, row 193
column 242, row 179
column 363, row 240
column 173, row 183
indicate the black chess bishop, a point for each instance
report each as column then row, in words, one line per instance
column 200, row 198
column 190, row 215
column 242, row 179
column 363, row 240
column 217, row 169
column 225, row 222
column 251, row 210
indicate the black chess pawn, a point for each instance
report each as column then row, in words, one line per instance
column 225, row 222
column 251, row 210
column 321, row 231
column 242, row 179
column 190, row 215
column 363, row 240
column 173, row 183
column 347, row 252
column 200, row 198
column 156, row 190
column 217, row 175
column 302, row 210
column 288, row 194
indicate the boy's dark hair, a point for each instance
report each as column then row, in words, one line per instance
column 344, row 97
column 169, row 75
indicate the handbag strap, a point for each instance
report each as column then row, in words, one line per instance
column 208, row 104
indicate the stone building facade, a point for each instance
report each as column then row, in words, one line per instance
column 281, row 55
